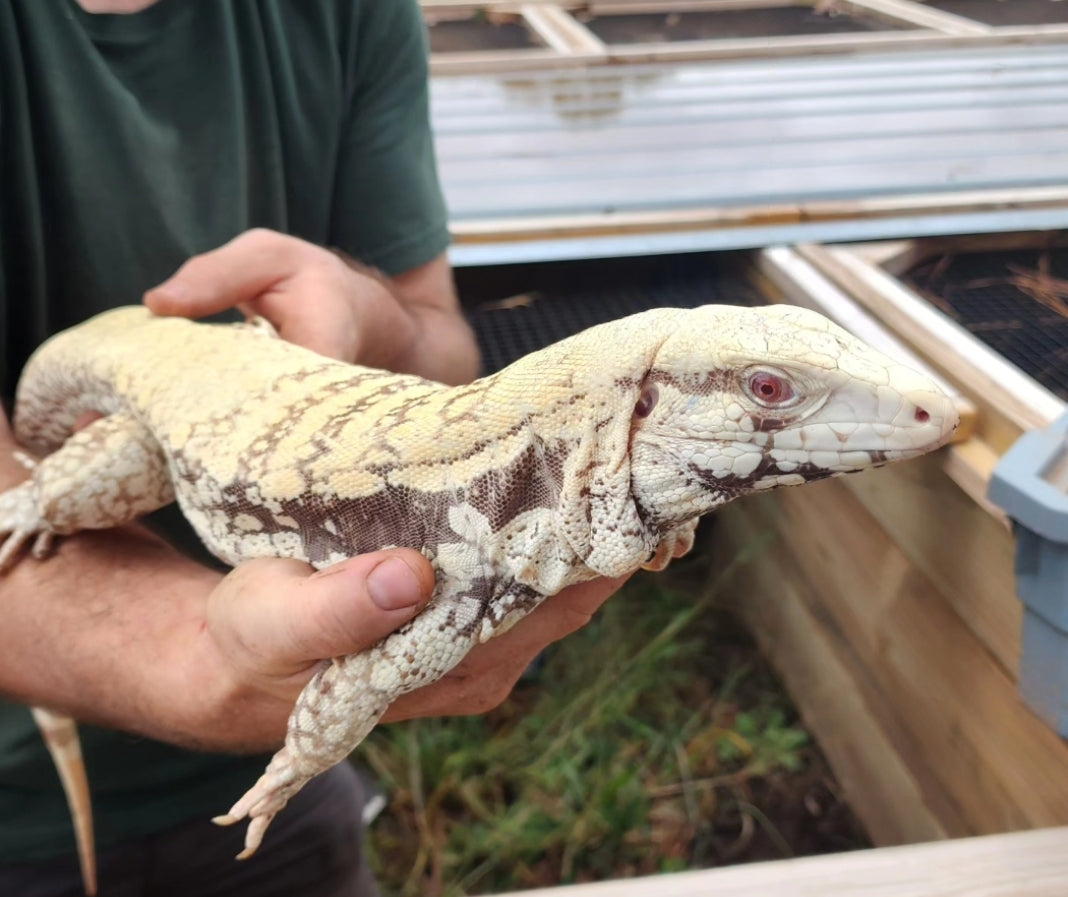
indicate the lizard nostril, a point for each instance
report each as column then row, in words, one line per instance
column 922, row 416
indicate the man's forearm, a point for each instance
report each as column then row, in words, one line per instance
column 109, row 629
column 413, row 324
column 443, row 347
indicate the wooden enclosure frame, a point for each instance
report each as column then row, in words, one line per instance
column 569, row 43
column 887, row 600
column 1023, row 864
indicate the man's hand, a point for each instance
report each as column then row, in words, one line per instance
column 410, row 323
column 270, row 622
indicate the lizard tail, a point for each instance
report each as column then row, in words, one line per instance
column 61, row 738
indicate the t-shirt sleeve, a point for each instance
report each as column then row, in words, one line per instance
column 389, row 211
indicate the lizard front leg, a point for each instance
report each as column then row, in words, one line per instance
column 106, row 474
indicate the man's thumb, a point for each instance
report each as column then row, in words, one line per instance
column 289, row 619
column 356, row 603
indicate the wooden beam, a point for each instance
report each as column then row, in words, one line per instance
column 547, row 227
column 473, row 7
column 561, row 32
column 964, row 550
column 917, row 14
column 861, row 42
column 999, row 764
column 884, row 253
column 599, row 7
column 970, row 465
column 492, row 61
column 736, row 48
column 1021, row 864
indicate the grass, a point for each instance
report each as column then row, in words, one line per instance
column 637, row 748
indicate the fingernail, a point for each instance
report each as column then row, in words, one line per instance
column 172, row 290
column 393, row 585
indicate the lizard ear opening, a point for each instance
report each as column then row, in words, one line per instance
column 650, row 395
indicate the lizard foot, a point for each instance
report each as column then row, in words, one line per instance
column 262, row 801
column 20, row 521
column 675, row 544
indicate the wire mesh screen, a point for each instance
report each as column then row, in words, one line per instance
column 1015, row 301
column 520, row 309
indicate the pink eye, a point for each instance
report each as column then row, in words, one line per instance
column 770, row 389
column 647, row 401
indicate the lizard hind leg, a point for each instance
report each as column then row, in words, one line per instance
column 322, row 732
column 346, row 699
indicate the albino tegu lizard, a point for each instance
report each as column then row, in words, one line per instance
column 590, row 458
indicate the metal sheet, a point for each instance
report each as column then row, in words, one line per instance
column 666, row 138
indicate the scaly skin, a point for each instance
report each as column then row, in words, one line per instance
column 590, row 458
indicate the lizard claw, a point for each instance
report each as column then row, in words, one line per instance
column 25, row 459
column 675, row 544
column 42, row 545
column 263, row 800
column 20, row 522
column 10, row 548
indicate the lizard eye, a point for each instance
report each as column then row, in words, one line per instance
column 769, row 388
column 647, row 401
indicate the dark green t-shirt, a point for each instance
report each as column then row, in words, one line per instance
column 129, row 143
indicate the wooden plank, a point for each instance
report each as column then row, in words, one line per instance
column 561, row 32
column 489, row 230
column 883, row 253
column 938, row 801
column 496, row 61
column 862, row 42
column 469, row 8
column 970, row 465
column 920, row 15
column 829, row 688
column 1021, row 864
column 988, row 379
column 599, row 7
column 784, row 73
column 964, row 551
column 1003, row 768
column 752, row 48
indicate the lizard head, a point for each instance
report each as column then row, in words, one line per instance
column 738, row 400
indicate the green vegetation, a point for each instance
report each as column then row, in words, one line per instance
column 634, row 750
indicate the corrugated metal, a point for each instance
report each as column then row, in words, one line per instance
column 750, row 134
